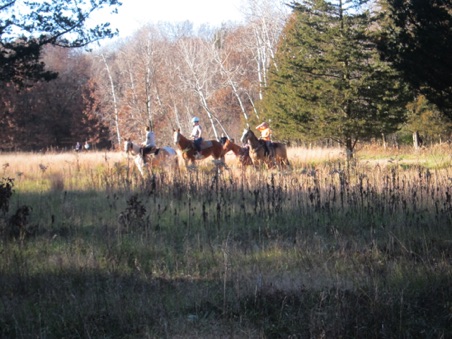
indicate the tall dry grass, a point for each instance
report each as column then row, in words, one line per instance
column 326, row 249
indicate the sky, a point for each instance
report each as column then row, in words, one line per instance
column 134, row 14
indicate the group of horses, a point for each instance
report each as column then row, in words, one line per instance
column 255, row 153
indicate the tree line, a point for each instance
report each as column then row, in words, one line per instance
column 338, row 70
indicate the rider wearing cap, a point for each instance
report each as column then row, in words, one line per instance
column 196, row 135
column 266, row 134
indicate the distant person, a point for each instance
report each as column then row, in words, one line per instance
column 149, row 144
column 78, row 147
column 196, row 135
column 266, row 135
column 87, row 146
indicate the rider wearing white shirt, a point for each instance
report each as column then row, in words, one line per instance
column 196, row 135
column 149, row 144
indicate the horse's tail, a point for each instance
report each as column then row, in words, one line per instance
column 281, row 153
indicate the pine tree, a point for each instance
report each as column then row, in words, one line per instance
column 427, row 122
column 416, row 36
column 27, row 26
column 330, row 82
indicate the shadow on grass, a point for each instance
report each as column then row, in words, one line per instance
column 181, row 259
column 94, row 304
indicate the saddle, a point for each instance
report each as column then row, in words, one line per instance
column 268, row 151
column 204, row 144
column 149, row 151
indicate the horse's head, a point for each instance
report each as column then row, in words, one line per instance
column 128, row 145
column 246, row 135
column 223, row 140
column 176, row 135
column 227, row 145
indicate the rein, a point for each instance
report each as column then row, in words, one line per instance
column 255, row 141
column 184, row 143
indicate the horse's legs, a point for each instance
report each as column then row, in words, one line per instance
column 189, row 162
column 175, row 163
column 223, row 162
column 139, row 163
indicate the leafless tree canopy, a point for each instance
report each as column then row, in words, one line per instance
column 161, row 77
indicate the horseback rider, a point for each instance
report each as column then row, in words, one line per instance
column 149, row 144
column 196, row 135
column 266, row 134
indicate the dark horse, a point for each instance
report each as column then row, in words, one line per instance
column 241, row 153
column 259, row 152
column 208, row 148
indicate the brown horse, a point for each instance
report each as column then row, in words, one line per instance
column 242, row 153
column 162, row 157
column 261, row 155
column 208, row 148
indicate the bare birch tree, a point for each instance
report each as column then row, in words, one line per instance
column 166, row 74
column 199, row 72
column 113, row 98
column 266, row 19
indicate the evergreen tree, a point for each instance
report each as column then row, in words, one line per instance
column 330, row 82
column 417, row 38
column 425, row 120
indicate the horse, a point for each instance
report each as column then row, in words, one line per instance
column 209, row 148
column 162, row 157
column 242, row 153
column 259, row 152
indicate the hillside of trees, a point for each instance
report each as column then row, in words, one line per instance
column 317, row 71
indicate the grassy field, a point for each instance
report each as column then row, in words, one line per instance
column 327, row 249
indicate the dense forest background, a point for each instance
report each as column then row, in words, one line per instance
column 317, row 70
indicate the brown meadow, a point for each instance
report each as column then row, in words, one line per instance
column 325, row 249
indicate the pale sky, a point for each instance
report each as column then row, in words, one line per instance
column 134, row 14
